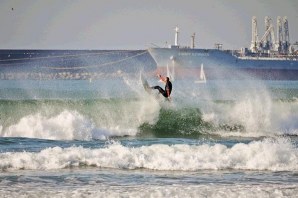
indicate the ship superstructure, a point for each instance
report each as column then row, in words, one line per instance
column 269, row 57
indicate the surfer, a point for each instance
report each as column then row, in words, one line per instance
column 168, row 88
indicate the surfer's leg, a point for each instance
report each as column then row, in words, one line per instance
column 163, row 92
column 159, row 89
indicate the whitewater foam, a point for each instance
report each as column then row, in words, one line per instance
column 97, row 121
column 67, row 125
column 269, row 154
column 253, row 116
column 190, row 190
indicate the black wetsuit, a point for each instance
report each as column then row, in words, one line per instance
column 164, row 92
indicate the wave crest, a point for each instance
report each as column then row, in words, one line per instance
column 269, row 154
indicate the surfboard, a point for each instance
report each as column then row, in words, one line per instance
column 146, row 84
column 151, row 92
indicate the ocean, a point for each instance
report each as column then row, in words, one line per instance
column 109, row 138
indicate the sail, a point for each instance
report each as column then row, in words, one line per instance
column 202, row 75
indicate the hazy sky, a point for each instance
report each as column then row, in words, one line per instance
column 135, row 24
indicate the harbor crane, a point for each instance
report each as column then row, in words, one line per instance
column 267, row 41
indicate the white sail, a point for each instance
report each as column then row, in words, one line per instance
column 202, row 75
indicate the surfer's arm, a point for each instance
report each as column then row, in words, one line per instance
column 163, row 79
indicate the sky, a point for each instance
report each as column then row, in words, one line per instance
column 136, row 24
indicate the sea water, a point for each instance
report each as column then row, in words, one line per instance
column 109, row 138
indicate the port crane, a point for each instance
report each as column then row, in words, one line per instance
column 267, row 41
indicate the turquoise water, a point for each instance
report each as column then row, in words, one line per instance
column 109, row 138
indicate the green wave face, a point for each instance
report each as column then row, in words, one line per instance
column 183, row 122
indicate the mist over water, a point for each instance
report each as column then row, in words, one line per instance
column 100, row 109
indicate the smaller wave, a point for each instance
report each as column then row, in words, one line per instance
column 67, row 125
column 268, row 154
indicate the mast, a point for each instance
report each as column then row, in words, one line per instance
column 193, row 40
column 176, row 36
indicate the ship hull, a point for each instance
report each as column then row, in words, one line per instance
column 72, row 64
column 220, row 64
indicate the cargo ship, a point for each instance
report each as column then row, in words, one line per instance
column 266, row 59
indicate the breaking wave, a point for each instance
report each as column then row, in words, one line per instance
column 100, row 119
column 269, row 154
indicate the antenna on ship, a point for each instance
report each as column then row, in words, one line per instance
column 176, row 36
column 193, row 40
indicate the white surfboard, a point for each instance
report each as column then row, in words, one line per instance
column 145, row 84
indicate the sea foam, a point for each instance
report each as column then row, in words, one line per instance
column 269, row 154
column 189, row 190
column 67, row 125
